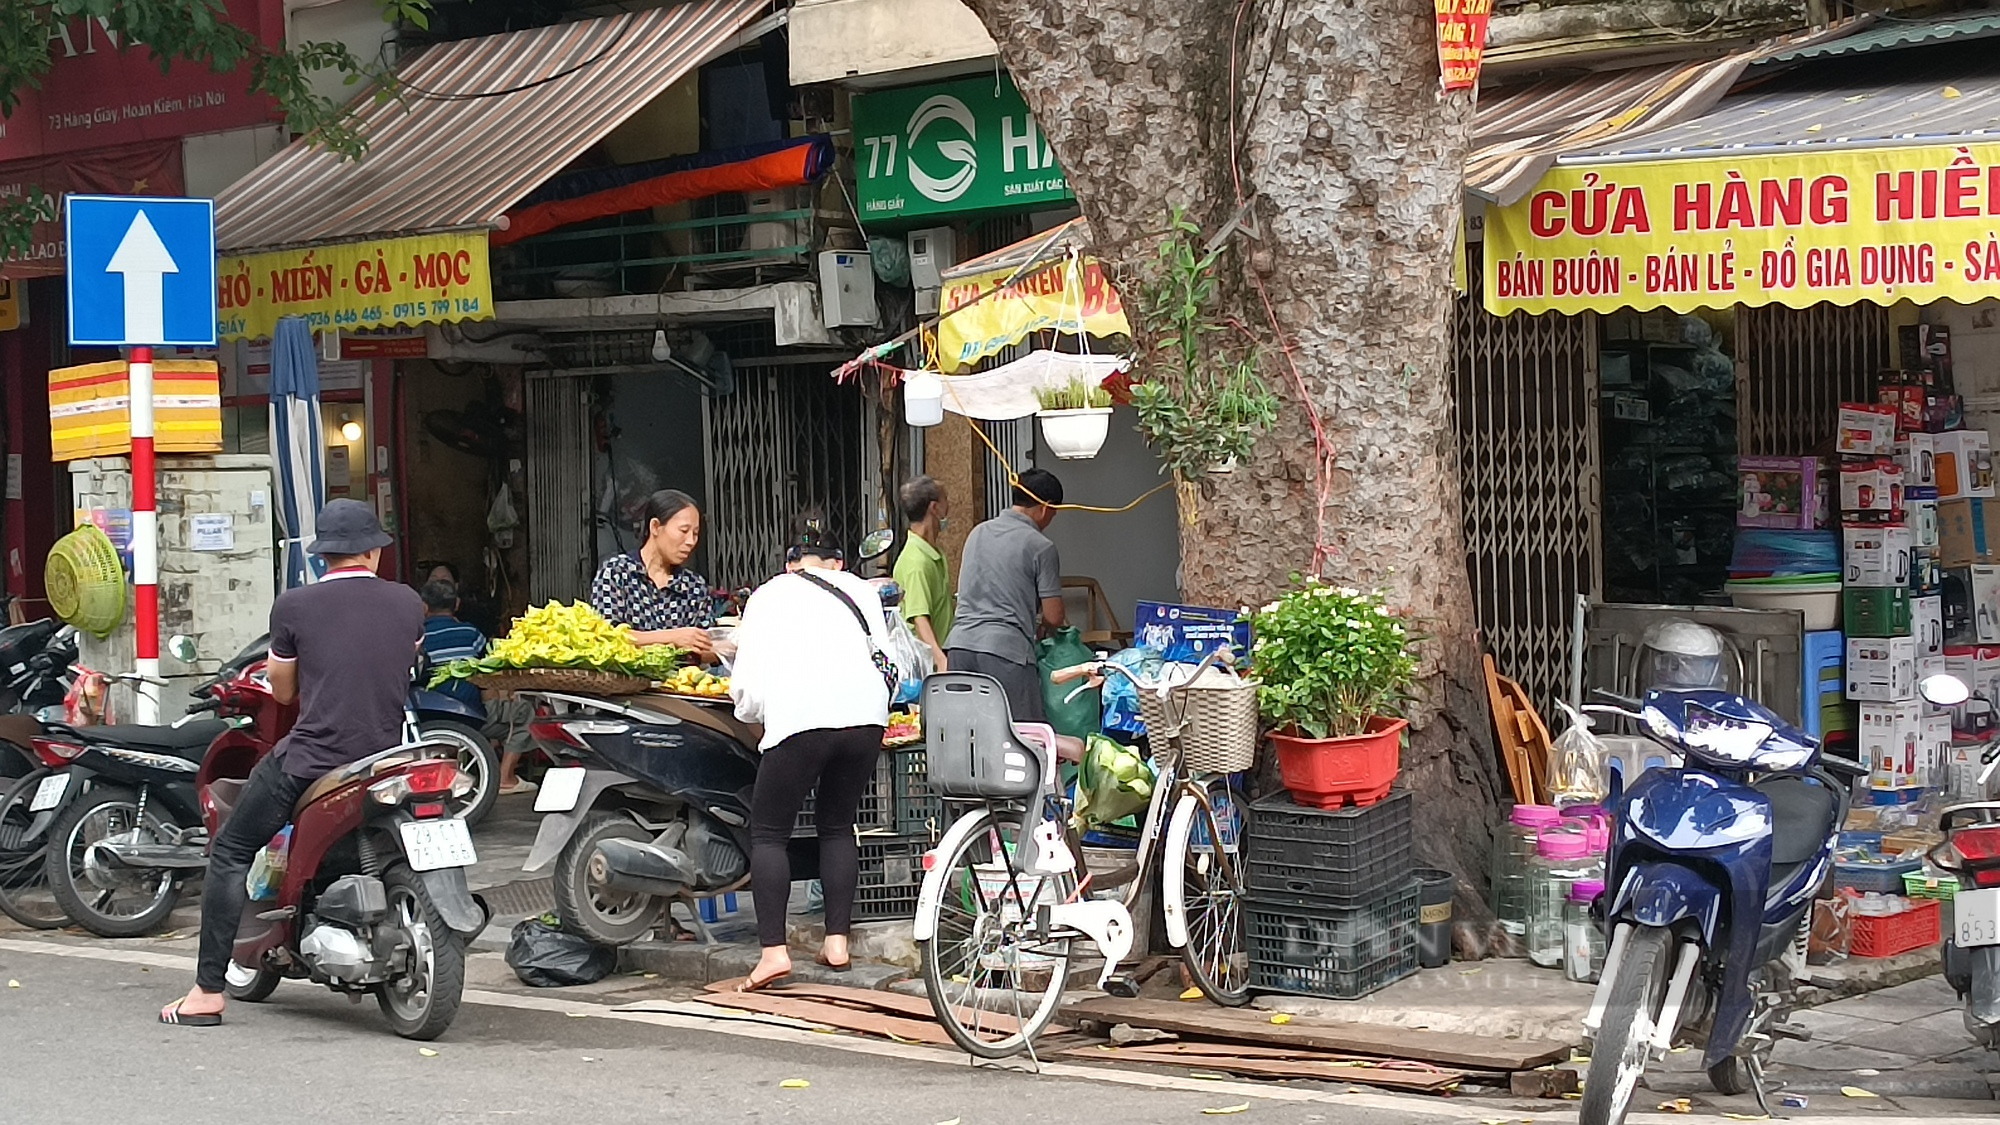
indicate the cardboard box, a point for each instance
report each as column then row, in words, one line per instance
column 1892, row 735
column 1924, row 350
column 1937, row 744
column 1876, row 611
column 1871, row 491
column 1907, row 400
column 1186, row 633
column 1926, row 575
column 1866, row 430
column 1964, row 464
column 1968, row 531
column 1793, row 493
column 1920, row 512
column 1917, row 454
column 1961, row 772
column 1943, row 413
column 1927, row 626
column 1882, row 669
column 1879, row 555
column 1971, row 603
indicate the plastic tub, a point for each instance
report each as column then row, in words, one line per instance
column 1819, row 601
column 1328, row 773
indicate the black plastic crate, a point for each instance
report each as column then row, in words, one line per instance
column 1336, row 952
column 892, row 873
column 1344, row 855
column 918, row 808
column 876, row 813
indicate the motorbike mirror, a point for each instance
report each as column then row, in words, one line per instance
column 1944, row 690
column 182, row 648
column 876, row 543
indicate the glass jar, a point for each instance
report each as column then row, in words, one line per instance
column 1583, row 942
column 1513, row 847
column 1562, row 857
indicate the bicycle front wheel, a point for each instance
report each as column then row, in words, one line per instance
column 1202, row 879
column 995, row 983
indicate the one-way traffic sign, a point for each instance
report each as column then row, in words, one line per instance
column 141, row 271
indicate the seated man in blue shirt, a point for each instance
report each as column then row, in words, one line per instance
column 446, row 639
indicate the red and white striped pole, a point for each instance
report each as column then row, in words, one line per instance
column 145, row 536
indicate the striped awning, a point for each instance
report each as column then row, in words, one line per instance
column 476, row 125
column 1519, row 133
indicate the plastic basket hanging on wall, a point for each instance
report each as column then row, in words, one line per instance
column 86, row 581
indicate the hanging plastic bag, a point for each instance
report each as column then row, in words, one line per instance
column 544, row 955
column 912, row 656
column 267, row 870
column 1121, row 696
column 501, row 518
column 1113, row 782
column 87, row 703
column 1577, row 763
column 1072, row 712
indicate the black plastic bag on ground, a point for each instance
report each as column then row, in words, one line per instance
column 544, row 956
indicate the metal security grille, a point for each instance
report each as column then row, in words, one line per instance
column 787, row 445
column 1796, row 366
column 1526, row 394
column 1015, row 439
column 559, row 501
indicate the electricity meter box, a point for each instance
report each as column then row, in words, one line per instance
column 847, row 288
column 933, row 250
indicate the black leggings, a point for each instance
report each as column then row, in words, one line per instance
column 839, row 762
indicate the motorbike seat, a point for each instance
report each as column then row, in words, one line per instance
column 189, row 741
column 1803, row 812
column 362, row 769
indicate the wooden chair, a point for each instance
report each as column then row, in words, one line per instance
column 1522, row 737
column 1101, row 623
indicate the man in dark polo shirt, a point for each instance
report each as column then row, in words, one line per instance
column 342, row 648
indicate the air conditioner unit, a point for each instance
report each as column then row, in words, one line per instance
column 778, row 234
column 847, row 288
column 933, row 250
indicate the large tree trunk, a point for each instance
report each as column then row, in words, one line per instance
column 1335, row 124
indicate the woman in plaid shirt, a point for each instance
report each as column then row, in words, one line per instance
column 651, row 589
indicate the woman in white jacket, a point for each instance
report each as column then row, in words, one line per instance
column 805, row 668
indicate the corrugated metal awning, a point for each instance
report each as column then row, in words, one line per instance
column 1892, row 34
column 1519, row 134
column 476, row 125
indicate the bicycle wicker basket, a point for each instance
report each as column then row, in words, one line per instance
column 1217, row 718
column 584, row 681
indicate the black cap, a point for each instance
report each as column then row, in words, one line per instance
column 348, row 527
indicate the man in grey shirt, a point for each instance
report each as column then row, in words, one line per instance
column 1009, row 586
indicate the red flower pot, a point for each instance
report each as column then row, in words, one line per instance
column 1327, row 773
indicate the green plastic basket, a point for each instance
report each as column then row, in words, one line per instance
column 1918, row 884
column 86, row 581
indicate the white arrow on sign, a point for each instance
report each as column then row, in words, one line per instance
column 144, row 261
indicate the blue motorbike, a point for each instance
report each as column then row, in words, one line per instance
column 1709, row 890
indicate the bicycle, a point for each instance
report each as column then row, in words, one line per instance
column 1006, row 891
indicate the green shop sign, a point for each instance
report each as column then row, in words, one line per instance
column 951, row 148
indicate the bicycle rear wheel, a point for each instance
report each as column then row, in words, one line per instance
column 1202, row 879
column 993, row 982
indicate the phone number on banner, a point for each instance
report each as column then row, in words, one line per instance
column 426, row 279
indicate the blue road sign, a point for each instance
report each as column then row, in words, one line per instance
column 141, row 271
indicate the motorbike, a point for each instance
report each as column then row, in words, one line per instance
column 1971, row 852
column 1711, row 878
column 371, row 896
column 647, row 803
column 36, row 662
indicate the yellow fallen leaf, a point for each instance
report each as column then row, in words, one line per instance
column 1220, row 1110
column 13, row 984
column 953, row 1121
column 1357, row 1089
column 1678, row 1105
column 1191, row 994
column 578, row 1015
column 1571, row 1097
column 652, row 976
column 1748, row 1116
column 1858, row 1092
column 1208, row 1076
column 1952, row 92
column 1814, row 128
column 1281, row 1019
column 1469, row 972
column 794, row 1084
column 427, row 1052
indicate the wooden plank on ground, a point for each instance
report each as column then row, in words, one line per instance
column 1252, row 1026
column 893, row 1003
column 832, row 1015
column 1323, row 1070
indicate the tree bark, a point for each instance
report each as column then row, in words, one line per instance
column 1329, row 114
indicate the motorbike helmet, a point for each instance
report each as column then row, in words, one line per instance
column 1683, row 654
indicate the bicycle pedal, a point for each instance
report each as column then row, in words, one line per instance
column 1124, row 986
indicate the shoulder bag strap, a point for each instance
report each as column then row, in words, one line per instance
column 859, row 618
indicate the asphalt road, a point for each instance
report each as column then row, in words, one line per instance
column 81, row 1045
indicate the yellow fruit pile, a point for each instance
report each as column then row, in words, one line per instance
column 697, row 681
column 568, row 636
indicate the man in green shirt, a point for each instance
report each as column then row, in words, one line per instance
column 921, row 569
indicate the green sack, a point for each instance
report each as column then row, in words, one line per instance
column 1083, row 715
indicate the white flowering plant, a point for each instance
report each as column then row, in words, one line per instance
column 1328, row 659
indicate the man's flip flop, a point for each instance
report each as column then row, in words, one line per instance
column 175, row 1016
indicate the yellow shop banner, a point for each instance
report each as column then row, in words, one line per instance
column 1069, row 296
column 426, row 279
column 1883, row 225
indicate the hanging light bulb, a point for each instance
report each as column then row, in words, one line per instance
column 661, row 352
column 350, row 429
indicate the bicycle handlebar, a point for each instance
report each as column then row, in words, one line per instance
column 1097, row 668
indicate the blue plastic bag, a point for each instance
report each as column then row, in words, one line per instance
column 1121, row 697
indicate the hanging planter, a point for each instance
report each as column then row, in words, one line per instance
column 1076, row 419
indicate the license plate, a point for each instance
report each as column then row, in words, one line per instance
column 49, row 792
column 432, row 844
column 560, row 789
column 1975, row 918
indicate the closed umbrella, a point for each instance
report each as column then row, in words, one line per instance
column 298, row 446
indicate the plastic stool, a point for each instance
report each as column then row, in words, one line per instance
column 708, row 911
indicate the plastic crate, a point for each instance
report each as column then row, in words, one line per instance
column 1882, row 878
column 876, row 813
column 917, row 806
column 1336, row 952
column 1885, row 935
column 892, row 872
column 1922, row 884
column 1339, row 854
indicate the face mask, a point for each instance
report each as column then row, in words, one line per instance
column 944, row 523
